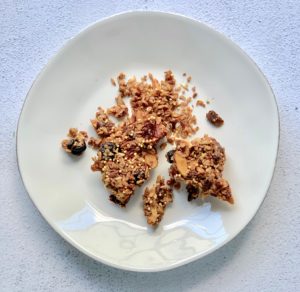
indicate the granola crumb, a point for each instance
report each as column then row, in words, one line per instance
column 200, row 164
column 184, row 74
column 156, row 199
column 195, row 94
column 214, row 119
column 189, row 79
column 200, row 103
column 76, row 142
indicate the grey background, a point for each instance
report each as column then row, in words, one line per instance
column 263, row 257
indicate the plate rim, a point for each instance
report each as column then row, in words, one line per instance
column 50, row 61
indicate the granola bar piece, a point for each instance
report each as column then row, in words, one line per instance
column 127, row 156
column 200, row 164
column 156, row 200
column 75, row 144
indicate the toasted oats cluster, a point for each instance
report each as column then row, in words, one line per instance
column 156, row 200
column 162, row 99
column 75, row 144
column 126, row 156
column 200, row 164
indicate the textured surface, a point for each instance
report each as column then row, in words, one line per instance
column 265, row 256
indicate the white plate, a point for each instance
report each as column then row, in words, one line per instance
column 77, row 80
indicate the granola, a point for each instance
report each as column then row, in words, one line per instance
column 156, row 200
column 200, row 164
column 162, row 99
column 127, row 155
column 127, row 149
column 75, row 144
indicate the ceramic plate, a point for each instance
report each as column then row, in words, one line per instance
column 77, row 80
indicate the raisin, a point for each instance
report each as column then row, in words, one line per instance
column 214, row 119
column 114, row 199
column 193, row 192
column 206, row 185
column 78, row 147
column 170, row 156
column 139, row 177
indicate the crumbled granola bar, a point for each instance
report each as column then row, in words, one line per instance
column 127, row 155
column 119, row 110
column 102, row 124
column 156, row 200
column 200, row 103
column 214, row 119
column 75, row 144
column 161, row 99
column 200, row 164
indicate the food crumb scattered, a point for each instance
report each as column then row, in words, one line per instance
column 200, row 103
column 214, row 119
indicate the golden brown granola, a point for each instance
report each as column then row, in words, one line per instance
column 200, row 164
column 119, row 110
column 161, row 98
column 75, row 144
column 156, row 200
column 127, row 155
column 126, row 151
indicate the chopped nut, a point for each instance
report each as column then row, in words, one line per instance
column 151, row 160
column 181, row 163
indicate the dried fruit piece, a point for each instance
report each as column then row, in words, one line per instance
column 200, row 165
column 214, row 119
column 170, row 156
column 76, row 144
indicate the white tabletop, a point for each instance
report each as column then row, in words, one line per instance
column 263, row 257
